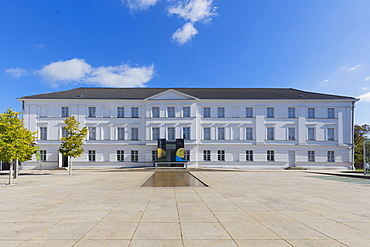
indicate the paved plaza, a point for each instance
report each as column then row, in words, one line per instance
column 245, row 208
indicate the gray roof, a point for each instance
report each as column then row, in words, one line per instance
column 200, row 93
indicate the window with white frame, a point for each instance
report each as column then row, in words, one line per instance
column 270, row 112
column 92, row 155
column 92, row 111
column 270, row 155
column 330, row 112
column 92, row 133
column 43, row 155
column 206, row 112
column 120, row 112
column 186, row 133
column 249, row 155
column 134, row 112
column 311, row 113
column 155, row 133
column 134, row 155
column 220, row 112
column 330, row 134
column 43, row 133
column 120, row 133
column 64, row 132
column 221, row 155
column 311, row 134
column 155, row 112
column 291, row 112
column 207, row 155
column 135, row 134
column 248, row 112
column 249, row 133
column 186, row 111
column 220, row 133
column 120, row 155
column 170, row 111
column 207, row 133
column 65, row 111
column 311, row 156
column 291, row 134
column 331, row 157
column 171, row 133
column 187, row 155
column 270, row 133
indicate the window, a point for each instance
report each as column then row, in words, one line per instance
column 134, row 155
column 221, row 155
column 221, row 133
column 186, row 111
column 186, row 133
column 43, row 155
column 134, row 134
column 311, row 156
column 120, row 155
column 249, row 112
column 92, row 155
column 331, row 156
column 171, row 133
column 92, row 133
column 43, row 133
column 120, row 133
column 120, row 112
column 291, row 133
column 249, row 133
column 270, row 133
column 155, row 111
column 330, row 134
column 311, row 113
column 206, row 112
column 187, row 155
column 270, row 112
column 64, row 132
column 207, row 133
column 155, row 133
column 92, row 111
column 291, row 112
column 311, row 134
column 207, row 155
column 134, row 112
column 171, row 111
column 270, row 155
column 330, row 112
column 249, row 155
column 65, row 111
column 220, row 112
column 154, row 155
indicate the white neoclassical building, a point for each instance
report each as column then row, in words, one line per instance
column 250, row 128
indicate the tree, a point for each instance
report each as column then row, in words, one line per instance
column 71, row 145
column 16, row 142
column 360, row 133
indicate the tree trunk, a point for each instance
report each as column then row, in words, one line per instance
column 10, row 172
column 16, row 168
column 70, row 166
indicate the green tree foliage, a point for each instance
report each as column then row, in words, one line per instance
column 16, row 142
column 360, row 132
column 71, row 145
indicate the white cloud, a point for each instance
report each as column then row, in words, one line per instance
column 365, row 97
column 17, row 72
column 184, row 34
column 39, row 45
column 140, row 4
column 194, row 10
column 367, row 78
column 354, row 68
column 324, row 82
column 77, row 70
column 364, row 88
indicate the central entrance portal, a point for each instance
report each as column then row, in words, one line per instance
column 170, row 154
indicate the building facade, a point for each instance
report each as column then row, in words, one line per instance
column 249, row 128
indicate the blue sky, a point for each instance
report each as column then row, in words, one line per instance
column 318, row 45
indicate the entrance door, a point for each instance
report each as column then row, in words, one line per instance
column 65, row 161
column 291, row 157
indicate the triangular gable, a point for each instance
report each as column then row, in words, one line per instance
column 171, row 94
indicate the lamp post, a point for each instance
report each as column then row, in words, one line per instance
column 365, row 156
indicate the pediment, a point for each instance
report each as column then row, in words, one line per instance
column 171, row 95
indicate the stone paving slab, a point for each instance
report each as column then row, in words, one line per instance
column 240, row 208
